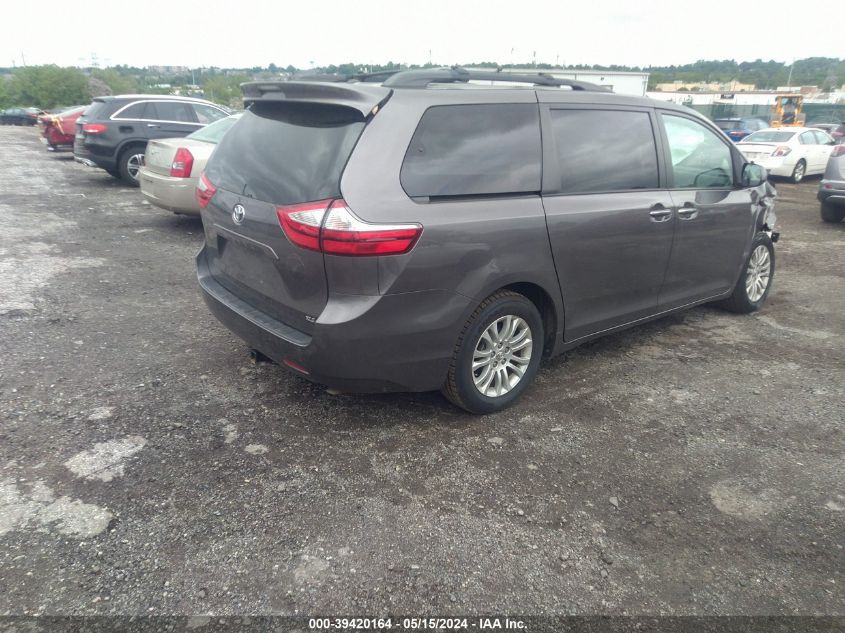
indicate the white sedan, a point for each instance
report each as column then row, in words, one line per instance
column 791, row 152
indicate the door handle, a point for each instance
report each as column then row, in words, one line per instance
column 688, row 213
column 659, row 213
column 152, row 125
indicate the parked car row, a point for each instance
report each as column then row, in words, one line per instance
column 836, row 130
column 416, row 236
column 20, row 116
column 112, row 133
column 789, row 152
column 58, row 129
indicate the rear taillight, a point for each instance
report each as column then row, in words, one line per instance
column 182, row 163
column 205, row 191
column 782, row 150
column 94, row 128
column 302, row 222
column 344, row 233
column 331, row 227
column 838, row 150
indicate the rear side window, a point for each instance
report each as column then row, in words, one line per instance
column 134, row 111
column 821, row 137
column 286, row 153
column 604, row 150
column 172, row 111
column 466, row 150
column 807, row 138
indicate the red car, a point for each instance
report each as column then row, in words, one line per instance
column 57, row 130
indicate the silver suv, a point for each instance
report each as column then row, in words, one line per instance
column 433, row 232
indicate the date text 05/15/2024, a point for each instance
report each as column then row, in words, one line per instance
column 416, row 624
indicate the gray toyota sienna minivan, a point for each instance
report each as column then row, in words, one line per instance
column 435, row 233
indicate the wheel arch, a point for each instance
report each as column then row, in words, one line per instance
column 124, row 145
column 546, row 306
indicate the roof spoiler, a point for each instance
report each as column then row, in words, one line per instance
column 362, row 97
column 426, row 77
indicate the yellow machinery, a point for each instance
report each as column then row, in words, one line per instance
column 787, row 111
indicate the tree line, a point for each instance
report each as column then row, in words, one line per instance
column 52, row 86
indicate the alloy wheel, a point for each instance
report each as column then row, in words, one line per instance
column 798, row 174
column 134, row 164
column 758, row 274
column 501, row 356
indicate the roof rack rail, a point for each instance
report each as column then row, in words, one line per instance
column 374, row 77
column 456, row 74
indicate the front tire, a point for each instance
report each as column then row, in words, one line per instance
column 799, row 172
column 130, row 163
column 755, row 282
column 497, row 354
column 831, row 213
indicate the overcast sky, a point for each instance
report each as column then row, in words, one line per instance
column 246, row 33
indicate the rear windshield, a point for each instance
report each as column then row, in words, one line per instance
column 728, row 125
column 213, row 132
column 286, row 153
column 769, row 136
column 96, row 110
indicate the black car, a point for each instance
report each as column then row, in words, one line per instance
column 738, row 128
column 113, row 132
column 20, row 116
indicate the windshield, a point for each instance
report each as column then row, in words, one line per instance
column 213, row 132
column 769, row 136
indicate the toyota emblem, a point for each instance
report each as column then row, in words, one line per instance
column 238, row 213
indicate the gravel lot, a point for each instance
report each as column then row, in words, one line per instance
column 690, row 466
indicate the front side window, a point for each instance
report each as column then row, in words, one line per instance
column 207, row 113
column 604, row 150
column 466, row 150
column 700, row 159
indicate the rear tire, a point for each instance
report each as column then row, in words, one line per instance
column 755, row 282
column 831, row 213
column 799, row 172
column 130, row 162
column 496, row 355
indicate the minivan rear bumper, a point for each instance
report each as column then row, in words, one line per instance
column 360, row 343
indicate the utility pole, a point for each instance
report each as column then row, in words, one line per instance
column 789, row 80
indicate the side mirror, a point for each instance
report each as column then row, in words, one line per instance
column 753, row 175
